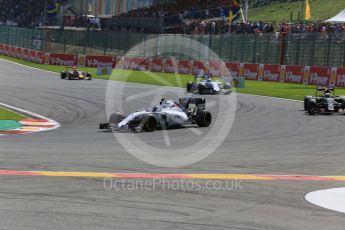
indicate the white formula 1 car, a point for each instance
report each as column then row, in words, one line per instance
column 202, row 84
column 188, row 111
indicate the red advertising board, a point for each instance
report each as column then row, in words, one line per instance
column 157, row 65
column 39, row 57
column 19, row 52
column 251, row 71
column 25, row 54
column 214, row 68
column 6, row 49
column 340, row 81
column 63, row 59
column 183, row 67
column 199, row 67
column 294, row 74
column 319, row 75
column 234, row 69
column 136, row 63
column 271, row 72
column 1, row 48
column 32, row 55
column 170, row 66
column 99, row 61
column 12, row 51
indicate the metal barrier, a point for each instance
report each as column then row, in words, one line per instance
column 310, row 49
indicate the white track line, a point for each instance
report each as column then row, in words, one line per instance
column 30, row 67
column 332, row 199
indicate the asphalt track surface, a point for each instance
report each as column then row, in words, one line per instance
column 269, row 136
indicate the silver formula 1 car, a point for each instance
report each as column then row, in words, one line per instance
column 324, row 102
column 189, row 111
column 202, row 84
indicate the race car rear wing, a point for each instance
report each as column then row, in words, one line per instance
column 199, row 103
column 324, row 89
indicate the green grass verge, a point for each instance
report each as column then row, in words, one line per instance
column 272, row 89
column 9, row 115
column 320, row 10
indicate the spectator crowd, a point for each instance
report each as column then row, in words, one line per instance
column 26, row 12
column 185, row 16
column 210, row 17
column 20, row 12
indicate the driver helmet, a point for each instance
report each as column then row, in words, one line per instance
column 327, row 95
column 165, row 104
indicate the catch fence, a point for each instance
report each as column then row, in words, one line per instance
column 308, row 49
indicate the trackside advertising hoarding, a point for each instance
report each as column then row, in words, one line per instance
column 184, row 67
column 199, row 67
column 171, row 66
column 340, row 77
column 319, row 75
column 136, row 63
column 6, row 50
column 39, row 57
column 63, row 59
column 234, row 69
column 312, row 75
column 271, row 73
column 94, row 61
column 214, row 68
column 19, row 52
column 157, row 65
column 251, row 71
column 293, row 74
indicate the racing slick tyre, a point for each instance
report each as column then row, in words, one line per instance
column 63, row 75
column 116, row 118
column 88, row 77
column 201, row 89
column 189, row 87
column 306, row 100
column 149, row 123
column 203, row 118
column 69, row 76
column 341, row 101
column 311, row 108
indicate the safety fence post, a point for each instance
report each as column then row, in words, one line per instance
column 282, row 48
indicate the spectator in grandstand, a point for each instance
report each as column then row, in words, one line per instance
column 210, row 17
column 22, row 12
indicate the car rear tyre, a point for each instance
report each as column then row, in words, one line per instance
column 63, row 75
column 88, row 77
column 201, row 89
column 189, row 87
column 203, row 118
